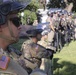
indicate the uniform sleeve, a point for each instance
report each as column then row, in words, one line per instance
column 42, row 53
column 14, row 67
column 51, row 23
column 26, row 50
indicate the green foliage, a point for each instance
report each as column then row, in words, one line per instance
column 61, row 4
column 18, row 44
column 56, row 4
column 33, row 6
column 28, row 13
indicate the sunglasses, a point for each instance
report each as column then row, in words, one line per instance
column 16, row 21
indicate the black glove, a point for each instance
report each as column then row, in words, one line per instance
column 51, row 52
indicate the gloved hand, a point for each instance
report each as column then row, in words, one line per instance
column 51, row 52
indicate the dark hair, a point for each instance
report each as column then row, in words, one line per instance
column 34, row 32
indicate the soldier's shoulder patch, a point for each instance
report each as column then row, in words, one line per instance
column 4, row 61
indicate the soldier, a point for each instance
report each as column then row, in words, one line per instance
column 51, row 26
column 39, row 15
column 35, row 22
column 33, row 52
column 44, row 38
column 9, row 33
column 46, row 64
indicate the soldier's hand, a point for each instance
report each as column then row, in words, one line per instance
column 51, row 52
column 31, row 65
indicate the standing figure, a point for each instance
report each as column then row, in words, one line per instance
column 33, row 52
column 9, row 33
column 46, row 64
column 52, row 30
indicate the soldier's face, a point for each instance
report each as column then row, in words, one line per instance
column 39, row 37
column 13, row 26
column 46, row 37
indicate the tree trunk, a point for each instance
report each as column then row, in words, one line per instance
column 69, row 6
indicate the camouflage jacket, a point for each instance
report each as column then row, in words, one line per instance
column 33, row 53
column 43, row 43
column 13, row 68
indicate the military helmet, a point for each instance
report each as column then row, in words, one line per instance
column 48, row 13
column 33, row 32
column 45, row 32
column 7, row 6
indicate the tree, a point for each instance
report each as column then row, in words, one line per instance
column 33, row 6
column 30, row 11
column 69, row 5
column 56, row 4
column 43, row 3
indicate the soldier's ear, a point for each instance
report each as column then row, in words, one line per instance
column 0, row 29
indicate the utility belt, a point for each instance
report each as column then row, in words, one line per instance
column 32, row 62
column 33, row 59
column 37, row 60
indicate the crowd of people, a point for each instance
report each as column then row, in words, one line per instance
column 62, row 28
column 46, row 39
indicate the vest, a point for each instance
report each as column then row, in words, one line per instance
column 13, row 68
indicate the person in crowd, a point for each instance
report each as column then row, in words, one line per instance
column 35, row 22
column 51, row 26
column 44, row 38
column 32, row 52
column 9, row 34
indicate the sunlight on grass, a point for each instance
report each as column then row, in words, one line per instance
column 64, row 62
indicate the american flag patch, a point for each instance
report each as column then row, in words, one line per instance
column 36, row 47
column 4, row 60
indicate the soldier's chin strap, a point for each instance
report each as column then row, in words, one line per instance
column 9, row 39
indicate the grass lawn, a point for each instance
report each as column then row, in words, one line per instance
column 64, row 62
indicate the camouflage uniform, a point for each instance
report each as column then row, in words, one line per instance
column 43, row 43
column 32, row 53
column 51, row 33
column 9, row 10
column 12, row 68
